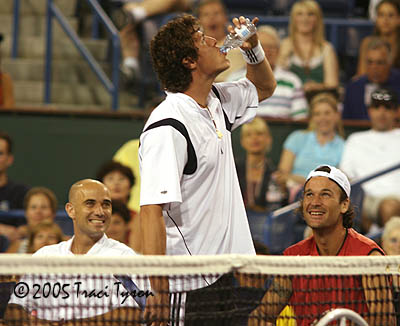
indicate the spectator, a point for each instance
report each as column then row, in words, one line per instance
column 367, row 152
column 6, row 87
column 391, row 246
column 213, row 18
column 40, row 204
column 120, row 180
column 391, row 236
column 259, row 190
column 387, row 27
column 306, row 52
column 322, row 143
column 44, row 234
column 288, row 100
column 379, row 73
column 119, row 225
column 142, row 9
column 138, row 11
column 128, row 155
column 11, row 194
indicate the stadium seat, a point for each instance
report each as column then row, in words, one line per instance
column 249, row 7
column 4, row 243
column 357, row 198
column 281, row 229
column 17, row 218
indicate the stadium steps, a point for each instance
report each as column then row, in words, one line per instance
column 69, row 93
column 75, row 85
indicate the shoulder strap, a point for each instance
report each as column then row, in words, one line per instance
column 191, row 164
column 228, row 124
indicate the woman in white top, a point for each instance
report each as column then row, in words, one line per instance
column 306, row 52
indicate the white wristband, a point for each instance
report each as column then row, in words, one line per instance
column 255, row 55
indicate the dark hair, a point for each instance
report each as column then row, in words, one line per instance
column 396, row 5
column 41, row 191
column 118, row 207
column 349, row 215
column 173, row 43
column 112, row 166
column 8, row 140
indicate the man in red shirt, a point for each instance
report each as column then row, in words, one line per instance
column 326, row 208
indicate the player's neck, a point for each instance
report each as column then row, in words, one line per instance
column 200, row 88
column 82, row 244
column 329, row 242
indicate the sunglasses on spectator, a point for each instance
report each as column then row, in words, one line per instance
column 383, row 98
column 375, row 104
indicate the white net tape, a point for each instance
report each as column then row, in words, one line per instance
column 185, row 265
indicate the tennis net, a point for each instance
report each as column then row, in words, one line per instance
column 202, row 290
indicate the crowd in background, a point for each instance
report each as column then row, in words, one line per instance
column 307, row 70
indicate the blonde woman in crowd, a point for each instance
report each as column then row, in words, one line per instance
column 255, row 172
column 321, row 143
column 306, row 52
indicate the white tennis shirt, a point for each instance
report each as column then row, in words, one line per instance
column 203, row 206
column 57, row 297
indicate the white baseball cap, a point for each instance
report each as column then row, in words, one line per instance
column 335, row 175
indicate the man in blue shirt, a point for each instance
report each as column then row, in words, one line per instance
column 379, row 74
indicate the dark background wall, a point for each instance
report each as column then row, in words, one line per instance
column 55, row 150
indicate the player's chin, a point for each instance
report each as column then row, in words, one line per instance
column 224, row 66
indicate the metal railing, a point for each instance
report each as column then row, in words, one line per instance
column 112, row 86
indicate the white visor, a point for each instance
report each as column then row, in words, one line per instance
column 335, row 175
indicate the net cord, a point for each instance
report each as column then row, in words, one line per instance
column 19, row 264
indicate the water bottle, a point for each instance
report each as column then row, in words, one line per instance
column 234, row 40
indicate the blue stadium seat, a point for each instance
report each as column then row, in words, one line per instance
column 65, row 222
column 280, row 232
column 249, row 7
column 17, row 218
column 357, row 198
column 4, row 243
